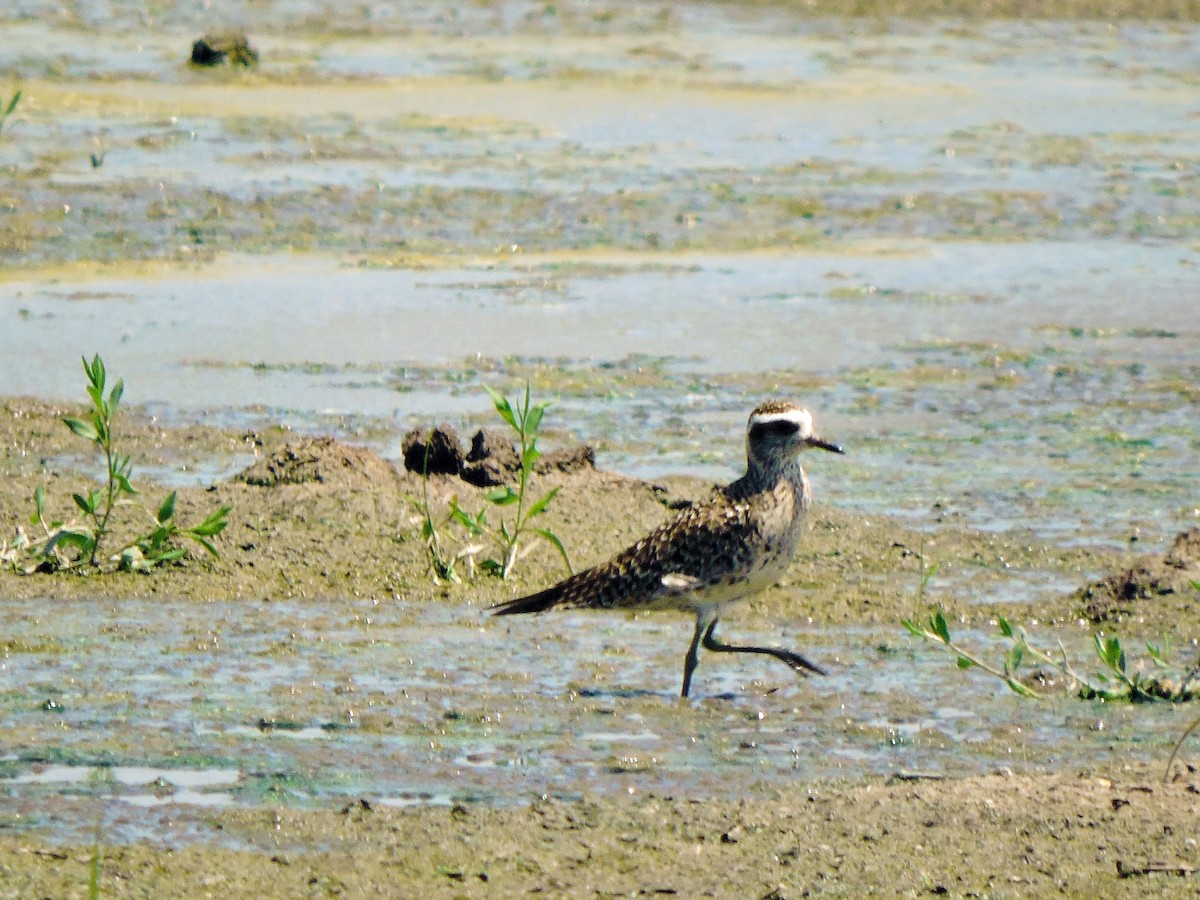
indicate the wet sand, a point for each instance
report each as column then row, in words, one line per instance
column 292, row 697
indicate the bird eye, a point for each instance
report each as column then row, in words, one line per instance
column 775, row 428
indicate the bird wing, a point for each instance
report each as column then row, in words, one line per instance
column 702, row 549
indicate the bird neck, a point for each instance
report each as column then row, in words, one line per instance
column 766, row 474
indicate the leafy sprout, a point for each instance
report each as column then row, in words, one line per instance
column 518, row 509
column 1118, row 681
column 524, row 419
column 74, row 544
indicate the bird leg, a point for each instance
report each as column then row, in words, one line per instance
column 704, row 622
column 795, row 660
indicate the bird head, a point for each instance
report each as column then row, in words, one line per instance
column 781, row 429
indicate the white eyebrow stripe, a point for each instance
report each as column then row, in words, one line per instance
column 797, row 416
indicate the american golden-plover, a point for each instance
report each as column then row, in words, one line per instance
column 714, row 553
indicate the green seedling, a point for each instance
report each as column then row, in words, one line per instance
column 1118, row 682
column 79, row 544
column 524, row 419
column 442, row 564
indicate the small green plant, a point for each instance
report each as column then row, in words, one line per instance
column 73, row 544
column 8, row 109
column 524, row 419
column 1119, row 682
column 442, row 564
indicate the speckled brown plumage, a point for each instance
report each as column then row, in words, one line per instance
column 737, row 542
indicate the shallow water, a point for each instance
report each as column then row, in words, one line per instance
column 970, row 249
column 1019, row 386
column 976, row 261
column 188, row 706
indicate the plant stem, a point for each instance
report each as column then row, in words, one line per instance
column 110, row 492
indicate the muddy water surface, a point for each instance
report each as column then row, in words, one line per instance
column 193, row 706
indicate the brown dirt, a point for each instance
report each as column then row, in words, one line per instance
column 315, row 517
column 1004, row 835
column 1161, row 580
column 323, row 460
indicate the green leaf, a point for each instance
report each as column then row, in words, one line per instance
column 123, row 483
column 529, row 457
column 150, row 543
column 167, row 509
column 205, row 543
column 81, row 542
column 940, row 628
column 168, row 556
column 1020, row 689
column 84, row 503
column 1015, row 656
column 1110, row 652
column 928, row 574
column 465, row 519
column 1159, row 655
column 97, row 397
column 81, row 428
column 114, row 399
column 1101, row 651
column 1006, row 628
column 548, row 535
column 503, row 407
column 39, row 502
column 964, row 663
column 492, row 567
column 540, row 506
column 533, row 418
column 502, row 496
column 95, row 372
column 214, row 524
column 913, row 628
column 12, row 104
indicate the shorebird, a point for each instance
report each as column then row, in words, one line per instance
column 735, row 543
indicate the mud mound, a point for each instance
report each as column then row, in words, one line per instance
column 492, row 459
column 323, row 460
column 1151, row 577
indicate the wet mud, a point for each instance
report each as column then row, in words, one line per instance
column 314, row 692
column 301, row 267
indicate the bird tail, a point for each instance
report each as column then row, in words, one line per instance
column 534, row 603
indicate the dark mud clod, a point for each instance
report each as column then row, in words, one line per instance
column 436, row 452
column 220, row 48
column 492, row 460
